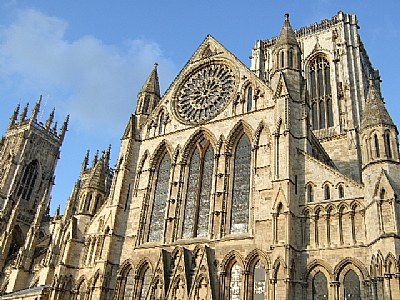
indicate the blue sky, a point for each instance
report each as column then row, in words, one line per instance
column 90, row 58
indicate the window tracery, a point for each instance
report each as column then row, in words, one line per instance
column 241, row 186
column 160, row 197
column 235, row 284
column 198, row 194
column 321, row 93
column 28, row 180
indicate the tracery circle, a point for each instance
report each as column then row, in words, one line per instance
column 205, row 93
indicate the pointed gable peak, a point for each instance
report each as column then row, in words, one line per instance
column 152, row 84
column 287, row 34
column 375, row 112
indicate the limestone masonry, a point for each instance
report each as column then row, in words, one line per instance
column 278, row 181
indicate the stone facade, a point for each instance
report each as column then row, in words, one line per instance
column 276, row 182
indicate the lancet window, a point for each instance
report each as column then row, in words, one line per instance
column 241, row 186
column 159, row 200
column 235, row 283
column 319, row 286
column 320, row 92
column 387, row 145
column 144, row 282
column 146, row 104
column 249, row 98
column 198, row 194
column 161, row 123
column 128, row 284
column 259, row 281
column 351, row 283
column 27, row 182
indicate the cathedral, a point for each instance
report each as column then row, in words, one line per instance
column 271, row 182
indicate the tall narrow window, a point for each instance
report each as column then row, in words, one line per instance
column 161, row 124
column 327, row 192
column 282, row 59
column 319, row 287
column 321, row 93
column 144, row 283
column 128, row 285
column 341, row 191
column 146, row 104
column 28, row 180
column 197, row 208
column 290, row 58
column 376, row 142
column 387, row 145
column 160, row 197
column 351, row 286
column 241, row 186
column 259, row 280
column 235, row 284
column 249, row 98
column 310, row 193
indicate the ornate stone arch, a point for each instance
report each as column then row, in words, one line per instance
column 240, row 128
column 254, row 256
column 390, row 261
column 318, row 265
column 354, row 263
column 230, row 258
column 164, row 146
column 194, row 138
column 278, row 263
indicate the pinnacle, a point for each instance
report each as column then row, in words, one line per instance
column 287, row 34
column 152, row 84
column 375, row 112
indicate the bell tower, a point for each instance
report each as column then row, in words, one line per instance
column 29, row 152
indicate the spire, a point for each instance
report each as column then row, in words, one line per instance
column 64, row 129
column 375, row 112
column 85, row 161
column 152, row 84
column 149, row 95
column 36, row 109
column 287, row 35
column 14, row 117
column 24, row 113
column 50, row 119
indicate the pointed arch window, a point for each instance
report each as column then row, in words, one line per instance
column 351, row 284
column 376, row 142
column 198, row 194
column 249, row 99
column 28, row 180
column 282, row 57
column 161, row 123
column 290, row 58
column 320, row 91
column 128, row 284
column 235, row 282
column 161, row 190
column 144, row 282
column 146, row 104
column 241, row 186
column 387, row 145
column 259, row 281
column 319, row 286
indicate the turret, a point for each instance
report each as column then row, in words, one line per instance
column 149, row 95
column 378, row 132
column 287, row 52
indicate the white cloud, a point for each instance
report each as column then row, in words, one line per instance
column 95, row 82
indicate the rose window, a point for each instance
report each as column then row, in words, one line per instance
column 204, row 94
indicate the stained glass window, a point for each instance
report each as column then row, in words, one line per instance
column 259, row 282
column 319, row 287
column 129, row 282
column 241, row 186
column 235, row 285
column 351, row 286
column 197, row 208
column 160, row 198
